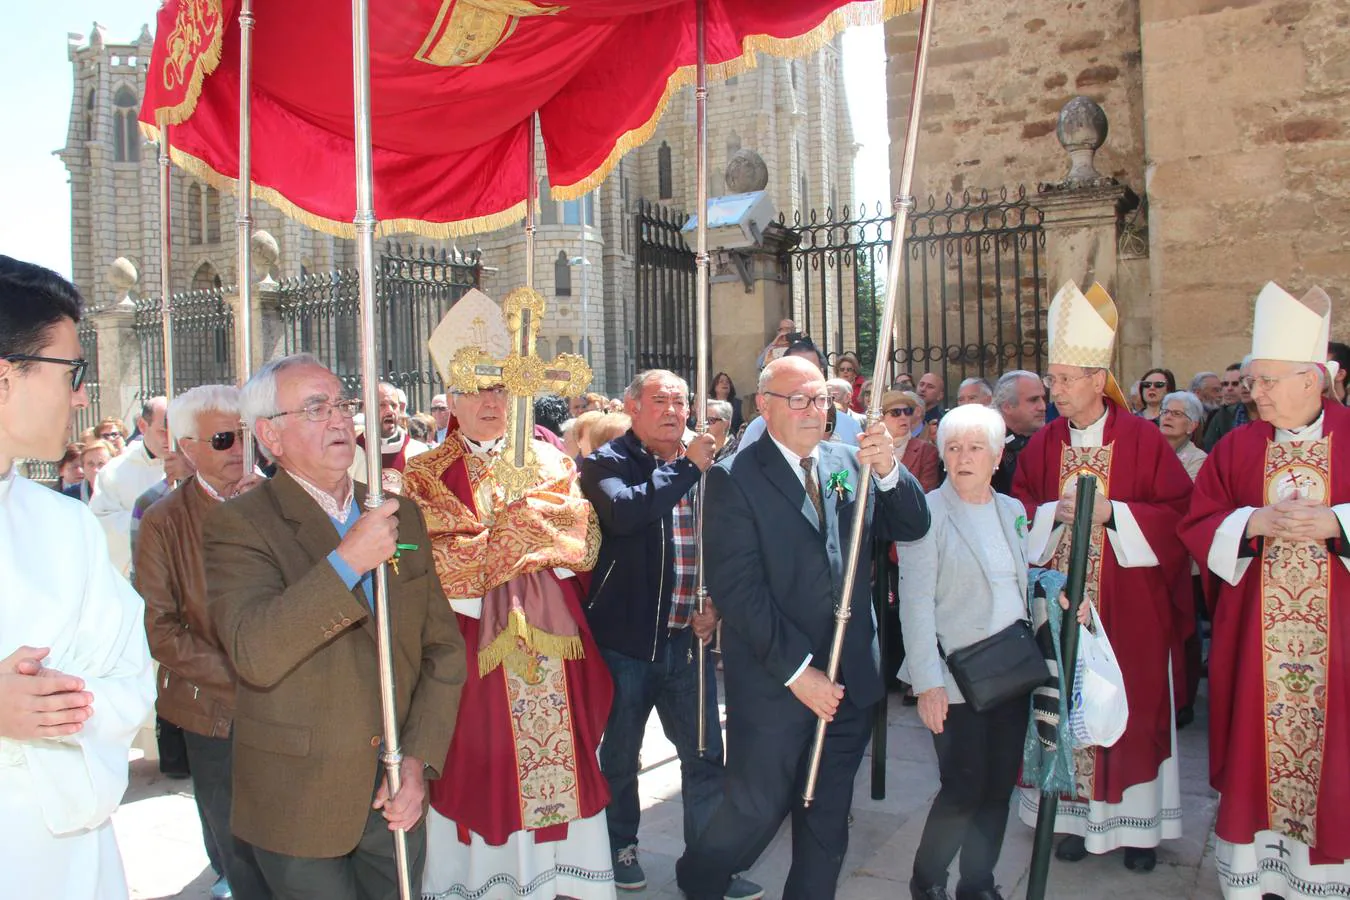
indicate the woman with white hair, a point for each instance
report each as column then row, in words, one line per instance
column 1182, row 413
column 963, row 582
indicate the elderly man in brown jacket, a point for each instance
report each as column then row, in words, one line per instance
column 289, row 570
column 196, row 682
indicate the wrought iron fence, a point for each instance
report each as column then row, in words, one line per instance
column 203, row 340
column 43, row 470
column 665, row 291
column 414, row 288
column 972, row 299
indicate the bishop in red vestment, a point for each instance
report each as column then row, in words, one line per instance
column 520, row 811
column 1269, row 520
column 1128, row 794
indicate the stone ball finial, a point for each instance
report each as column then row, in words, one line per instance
column 746, row 172
column 266, row 252
column 122, row 277
column 1082, row 130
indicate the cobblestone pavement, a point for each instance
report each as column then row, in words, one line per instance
column 160, row 837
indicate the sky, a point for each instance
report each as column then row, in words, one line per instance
column 34, row 184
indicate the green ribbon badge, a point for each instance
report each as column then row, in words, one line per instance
column 838, row 482
column 399, row 548
column 1021, row 526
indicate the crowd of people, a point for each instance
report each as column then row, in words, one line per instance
column 535, row 629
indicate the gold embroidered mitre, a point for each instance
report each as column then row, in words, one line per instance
column 1083, row 332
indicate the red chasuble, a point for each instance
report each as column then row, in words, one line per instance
column 537, row 694
column 1279, row 733
column 1138, row 606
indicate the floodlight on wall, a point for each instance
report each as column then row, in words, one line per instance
column 736, row 221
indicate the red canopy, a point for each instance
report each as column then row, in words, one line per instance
column 454, row 85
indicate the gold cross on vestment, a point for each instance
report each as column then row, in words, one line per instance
column 523, row 374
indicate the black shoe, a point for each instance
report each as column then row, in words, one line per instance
column 1185, row 716
column 1072, row 849
column 936, row 892
column 1140, row 859
column 983, row 894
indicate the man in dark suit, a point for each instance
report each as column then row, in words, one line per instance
column 289, row 570
column 775, row 570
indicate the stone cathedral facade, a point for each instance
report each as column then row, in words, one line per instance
column 794, row 113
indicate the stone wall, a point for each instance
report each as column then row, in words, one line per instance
column 1249, row 178
column 999, row 74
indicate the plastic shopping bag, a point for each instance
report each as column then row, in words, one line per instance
column 1098, row 710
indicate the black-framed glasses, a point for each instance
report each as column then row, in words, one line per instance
column 800, row 402
column 898, row 411
column 77, row 371
column 323, row 410
column 1153, row 384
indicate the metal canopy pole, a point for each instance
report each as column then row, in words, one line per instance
column 701, row 341
column 165, row 255
column 903, row 204
column 391, row 755
column 531, row 203
column 243, row 219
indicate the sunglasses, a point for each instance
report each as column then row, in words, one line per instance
column 899, row 411
column 1153, row 384
column 222, row 440
column 77, row 371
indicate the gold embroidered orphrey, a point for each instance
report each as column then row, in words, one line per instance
column 194, row 28
column 1295, row 621
column 523, row 374
column 467, row 31
column 546, row 752
column 1094, row 461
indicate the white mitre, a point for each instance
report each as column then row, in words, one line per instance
column 1290, row 329
column 1083, row 332
column 474, row 321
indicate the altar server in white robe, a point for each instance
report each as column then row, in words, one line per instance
column 75, row 677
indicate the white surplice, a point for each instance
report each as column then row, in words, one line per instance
column 60, row 589
column 1272, row 863
column 1147, row 813
column 116, row 489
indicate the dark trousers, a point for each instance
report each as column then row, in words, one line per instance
column 1194, row 647
column 670, row 686
column 212, row 777
column 979, row 755
column 765, row 778
column 367, row 873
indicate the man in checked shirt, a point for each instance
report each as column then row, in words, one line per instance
column 641, row 612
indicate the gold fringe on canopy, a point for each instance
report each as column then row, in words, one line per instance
column 870, row 12
column 517, row 629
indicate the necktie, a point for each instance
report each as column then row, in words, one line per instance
column 812, row 489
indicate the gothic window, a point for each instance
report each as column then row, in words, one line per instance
column 126, row 137
column 89, row 116
column 547, row 208
column 211, row 209
column 564, row 345
column 194, row 213
column 541, row 348
column 205, row 278
column 562, row 275
column 663, row 173
column 577, row 212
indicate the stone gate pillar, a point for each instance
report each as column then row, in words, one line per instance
column 1083, row 218
column 119, row 352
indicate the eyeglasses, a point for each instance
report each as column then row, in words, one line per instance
column 77, row 371
column 846, row 369
column 1267, row 382
column 1153, row 384
column 713, row 420
column 437, row 409
column 221, row 440
column 801, row 401
column 323, row 410
column 497, row 392
column 1053, row 381
column 1173, row 414
column 899, row 411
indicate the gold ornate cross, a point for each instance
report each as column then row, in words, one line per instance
column 523, row 374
